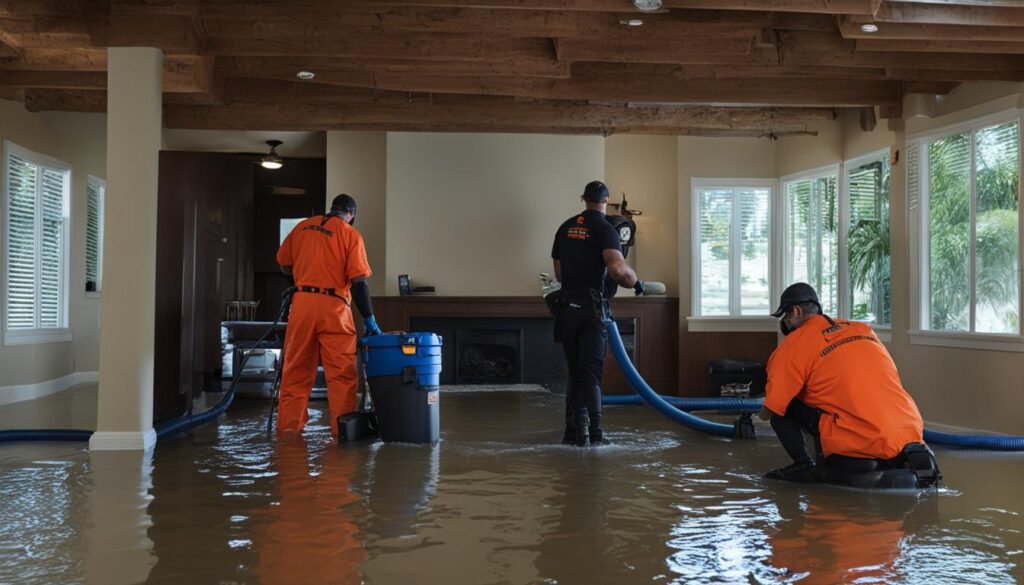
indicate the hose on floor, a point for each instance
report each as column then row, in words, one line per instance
column 166, row 429
column 670, row 407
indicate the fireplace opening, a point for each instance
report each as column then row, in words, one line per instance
column 488, row 356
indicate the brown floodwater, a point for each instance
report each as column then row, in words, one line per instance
column 495, row 502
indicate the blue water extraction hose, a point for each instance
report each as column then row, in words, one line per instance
column 670, row 406
column 740, row 405
column 651, row 397
column 165, row 429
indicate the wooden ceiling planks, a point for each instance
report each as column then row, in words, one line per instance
column 573, row 66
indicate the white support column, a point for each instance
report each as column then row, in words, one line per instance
column 134, row 113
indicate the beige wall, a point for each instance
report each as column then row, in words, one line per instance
column 357, row 165
column 796, row 153
column 475, row 214
column 645, row 168
column 80, row 141
column 726, row 158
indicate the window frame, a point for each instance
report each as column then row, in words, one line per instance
column 918, row 206
column 884, row 330
column 782, row 226
column 37, row 335
column 698, row 322
column 102, row 184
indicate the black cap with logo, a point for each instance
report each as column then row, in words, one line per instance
column 796, row 294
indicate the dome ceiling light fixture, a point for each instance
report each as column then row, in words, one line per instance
column 272, row 160
column 632, row 22
column 305, row 75
column 647, row 5
column 869, row 27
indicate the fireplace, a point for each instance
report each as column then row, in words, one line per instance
column 488, row 356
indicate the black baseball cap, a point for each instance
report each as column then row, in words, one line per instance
column 796, row 294
column 595, row 192
column 344, row 203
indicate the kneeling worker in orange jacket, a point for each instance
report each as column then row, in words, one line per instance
column 835, row 380
column 327, row 259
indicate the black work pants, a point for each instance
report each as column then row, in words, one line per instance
column 585, row 339
column 790, row 429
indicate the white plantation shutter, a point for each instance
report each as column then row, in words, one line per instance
column 36, row 195
column 755, row 242
column 22, row 180
column 94, row 192
column 51, row 247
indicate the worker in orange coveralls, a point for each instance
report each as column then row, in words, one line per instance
column 312, row 534
column 327, row 259
column 835, row 380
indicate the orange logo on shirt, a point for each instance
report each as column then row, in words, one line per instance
column 578, row 233
column 579, row 219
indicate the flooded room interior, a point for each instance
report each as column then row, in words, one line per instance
column 511, row 292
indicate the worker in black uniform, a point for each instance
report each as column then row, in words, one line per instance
column 586, row 252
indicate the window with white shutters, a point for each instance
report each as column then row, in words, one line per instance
column 36, row 210
column 95, row 191
column 732, row 262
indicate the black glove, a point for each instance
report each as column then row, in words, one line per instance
column 639, row 287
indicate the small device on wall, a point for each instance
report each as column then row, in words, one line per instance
column 404, row 288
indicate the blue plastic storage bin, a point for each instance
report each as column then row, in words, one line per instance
column 403, row 372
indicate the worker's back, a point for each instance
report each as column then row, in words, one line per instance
column 325, row 254
column 842, row 369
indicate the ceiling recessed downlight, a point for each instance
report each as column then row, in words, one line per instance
column 632, row 22
column 647, row 5
column 305, row 75
column 869, row 27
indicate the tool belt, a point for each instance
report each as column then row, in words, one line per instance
column 331, row 292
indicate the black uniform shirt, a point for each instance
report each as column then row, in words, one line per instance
column 579, row 245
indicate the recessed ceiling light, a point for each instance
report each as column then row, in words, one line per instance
column 869, row 27
column 632, row 22
column 305, row 75
column 647, row 5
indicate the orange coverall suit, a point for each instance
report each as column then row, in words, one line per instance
column 845, row 372
column 326, row 255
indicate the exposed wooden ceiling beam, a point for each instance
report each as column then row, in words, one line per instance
column 990, row 14
column 942, row 46
column 955, row 75
column 189, row 74
column 813, row 6
column 40, row 100
column 808, row 48
column 648, row 88
column 503, row 23
column 683, row 51
column 418, row 48
column 9, row 47
column 947, row 32
column 287, row 67
column 55, row 79
column 474, row 112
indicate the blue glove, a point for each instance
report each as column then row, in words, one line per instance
column 370, row 324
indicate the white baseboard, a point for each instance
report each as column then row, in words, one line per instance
column 122, row 441
column 20, row 392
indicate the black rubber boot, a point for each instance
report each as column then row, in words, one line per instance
column 596, row 434
column 569, row 438
column 582, row 427
column 797, row 472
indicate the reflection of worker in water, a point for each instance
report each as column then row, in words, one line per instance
column 587, row 249
column 312, row 535
column 836, row 541
column 326, row 256
column 835, row 380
